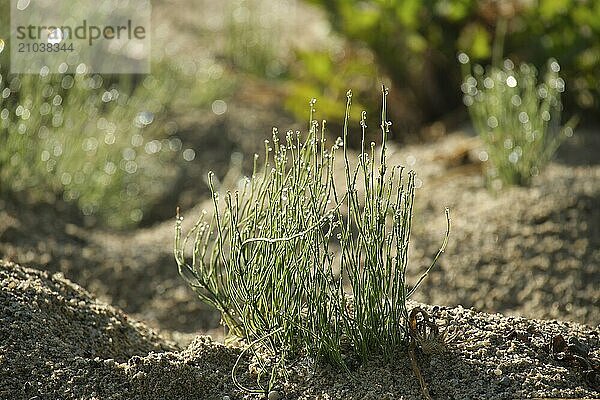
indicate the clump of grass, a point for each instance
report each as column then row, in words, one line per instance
column 265, row 259
column 253, row 36
column 90, row 142
column 517, row 117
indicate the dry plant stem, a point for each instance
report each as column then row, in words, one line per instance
column 416, row 370
column 237, row 362
column 414, row 340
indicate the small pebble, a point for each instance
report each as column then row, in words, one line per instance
column 273, row 395
column 140, row 375
column 226, row 397
column 109, row 362
column 497, row 372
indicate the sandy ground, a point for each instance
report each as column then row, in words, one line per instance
column 57, row 341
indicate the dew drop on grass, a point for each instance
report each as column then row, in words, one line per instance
column 175, row 144
column 129, row 154
column 545, row 116
column 137, row 140
column 57, row 120
column 152, row 147
column 45, row 109
column 463, row 58
column 519, row 151
column 95, row 82
column 136, row 215
column 81, row 69
column 109, row 139
column 468, row 100
column 65, row 178
column 219, row 107
column 516, row 100
column 44, row 71
column 143, row 118
column 523, row 117
column 110, row 168
column 131, row 167
column 568, row 131
column 511, row 81
column 50, row 165
column 67, row 82
column 513, row 157
column 189, row 155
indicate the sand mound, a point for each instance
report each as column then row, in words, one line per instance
column 533, row 251
column 48, row 323
column 56, row 341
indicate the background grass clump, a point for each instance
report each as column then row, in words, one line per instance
column 108, row 145
column 265, row 259
column 79, row 138
column 517, row 116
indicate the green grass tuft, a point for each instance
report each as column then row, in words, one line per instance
column 80, row 137
column 266, row 258
column 517, row 117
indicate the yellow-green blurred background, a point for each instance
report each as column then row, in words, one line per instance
column 120, row 151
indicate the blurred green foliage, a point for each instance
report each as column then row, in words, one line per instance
column 91, row 143
column 254, row 40
column 326, row 76
column 107, row 143
column 517, row 115
column 251, row 44
column 416, row 42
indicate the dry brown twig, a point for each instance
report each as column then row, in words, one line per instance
column 426, row 334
